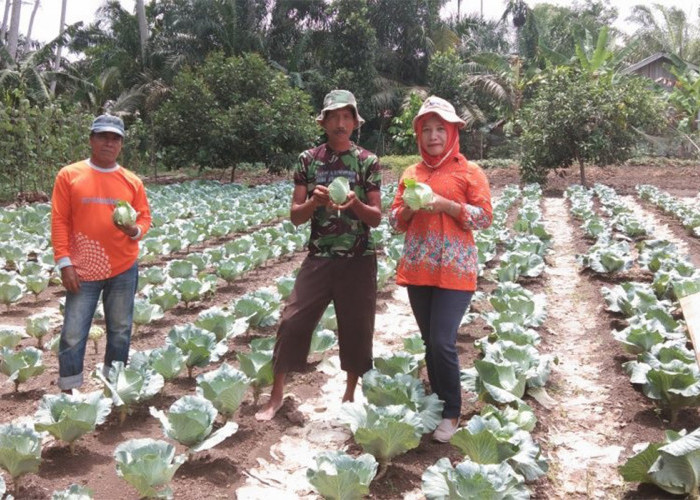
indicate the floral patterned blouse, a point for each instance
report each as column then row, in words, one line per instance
column 438, row 249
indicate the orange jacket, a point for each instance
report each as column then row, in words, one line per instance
column 438, row 249
column 82, row 231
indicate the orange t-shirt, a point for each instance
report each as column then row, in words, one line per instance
column 82, row 230
column 439, row 250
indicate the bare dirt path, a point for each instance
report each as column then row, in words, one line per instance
column 583, row 456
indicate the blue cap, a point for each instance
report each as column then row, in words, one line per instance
column 107, row 123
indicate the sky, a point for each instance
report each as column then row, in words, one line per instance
column 49, row 13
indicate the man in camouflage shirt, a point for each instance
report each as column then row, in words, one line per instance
column 341, row 265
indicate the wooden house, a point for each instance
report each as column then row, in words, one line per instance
column 656, row 68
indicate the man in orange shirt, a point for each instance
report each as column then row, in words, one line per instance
column 94, row 254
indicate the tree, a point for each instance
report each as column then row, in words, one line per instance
column 233, row 110
column 665, row 29
column 476, row 34
column 561, row 28
column 143, row 27
column 31, row 21
column 13, row 35
column 576, row 119
column 408, row 32
column 5, row 17
column 61, row 28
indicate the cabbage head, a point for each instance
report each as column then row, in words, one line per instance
column 339, row 475
column 190, row 421
column 20, row 450
column 124, row 214
column 225, row 387
column 417, row 194
column 147, row 464
column 69, row 416
column 338, row 190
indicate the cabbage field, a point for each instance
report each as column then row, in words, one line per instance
column 578, row 376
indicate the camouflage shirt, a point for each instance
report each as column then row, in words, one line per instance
column 334, row 235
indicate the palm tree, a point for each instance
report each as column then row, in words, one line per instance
column 61, row 28
column 664, row 29
column 13, row 35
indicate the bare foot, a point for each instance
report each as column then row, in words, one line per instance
column 268, row 411
column 348, row 398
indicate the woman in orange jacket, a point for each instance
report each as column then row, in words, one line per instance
column 439, row 261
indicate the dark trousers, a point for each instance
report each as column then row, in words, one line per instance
column 438, row 313
column 351, row 283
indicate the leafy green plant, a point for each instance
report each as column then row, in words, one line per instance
column 400, row 389
column 221, row 323
column 471, row 480
column 400, row 362
column 168, row 361
column 73, row 492
column 11, row 336
column 631, row 298
column 95, row 334
column 322, row 340
column 262, row 307
column 198, row 345
column 190, row 421
column 671, row 464
column 492, row 440
column 337, row 475
column 145, row 313
column 257, row 365
column 38, row 325
column 147, row 464
column 225, row 387
column 167, row 297
column 67, row 417
column 383, row 431
column 129, row 385
column 20, row 366
column 669, row 375
column 20, row 451
column 10, row 292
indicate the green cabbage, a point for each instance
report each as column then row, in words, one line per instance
column 338, row 190
column 339, row 475
column 20, row 450
column 124, row 214
column 190, row 421
column 68, row 417
column 417, row 194
column 147, row 464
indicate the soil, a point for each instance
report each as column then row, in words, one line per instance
column 586, row 429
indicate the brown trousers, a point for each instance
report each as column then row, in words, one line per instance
column 351, row 283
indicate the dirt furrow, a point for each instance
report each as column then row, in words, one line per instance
column 284, row 474
column 582, row 455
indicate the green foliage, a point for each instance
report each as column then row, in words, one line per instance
column 575, row 119
column 20, row 450
column 401, row 129
column 338, row 475
column 147, row 464
column 233, row 110
column 398, row 163
column 68, row 417
column 35, row 141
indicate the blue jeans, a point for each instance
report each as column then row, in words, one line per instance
column 438, row 312
column 118, row 294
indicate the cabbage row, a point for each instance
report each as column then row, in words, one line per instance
column 664, row 367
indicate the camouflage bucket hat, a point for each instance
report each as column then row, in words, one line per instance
column 336, row 99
